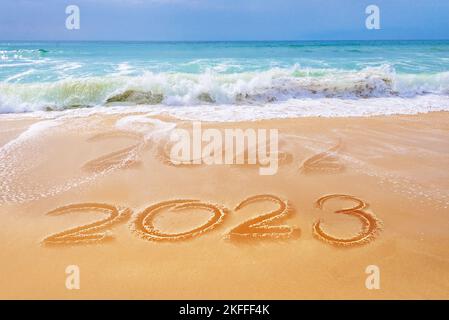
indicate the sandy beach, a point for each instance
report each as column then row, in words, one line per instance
column 388, row 173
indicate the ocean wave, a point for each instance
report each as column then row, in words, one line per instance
column 276, row 85
column 19, row 54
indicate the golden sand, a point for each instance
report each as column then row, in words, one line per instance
column 349, row 193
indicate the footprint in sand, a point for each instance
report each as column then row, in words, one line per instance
column 370, row 224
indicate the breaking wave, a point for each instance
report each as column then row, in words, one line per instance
column 276, row 85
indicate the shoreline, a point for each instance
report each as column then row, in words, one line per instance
column 193, row 112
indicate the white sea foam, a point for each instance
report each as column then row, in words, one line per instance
column 324, row 107
column 18, row 76
column 145, row 125
column 274, row 93
column 20, row 157
column 293, row 108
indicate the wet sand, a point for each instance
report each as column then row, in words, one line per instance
column 224, row 231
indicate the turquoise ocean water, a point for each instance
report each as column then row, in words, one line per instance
column 266, row 79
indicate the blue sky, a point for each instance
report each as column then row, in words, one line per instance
column 191, row 20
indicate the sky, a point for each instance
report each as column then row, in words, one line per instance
column 223, row 20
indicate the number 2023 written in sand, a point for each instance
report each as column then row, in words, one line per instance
column 263, row 226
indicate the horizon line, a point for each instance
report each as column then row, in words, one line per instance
column 267, row 40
